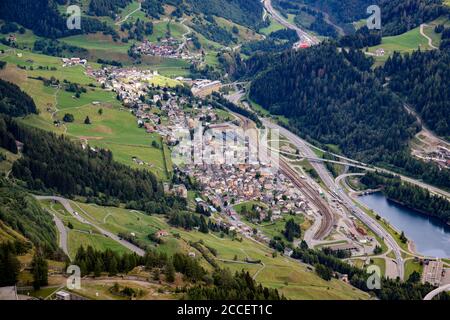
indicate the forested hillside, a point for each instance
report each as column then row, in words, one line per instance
column 399, row 16
column 407, row 194
column 13, row 101
column 22, row 213
column 342, row 11
column 423, row 78
column 107, row 7
column 55, row 164
column 331, row 101
column 244, row 12
column 43, row 17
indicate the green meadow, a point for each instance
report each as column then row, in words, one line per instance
column 115, row 129
column 411, row 266
column 292, row 278
column 429, row 29
column 406, row 42
column 82, row 234
column 274, row 26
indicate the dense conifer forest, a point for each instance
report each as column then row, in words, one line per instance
column 13, row 101
column 54, row 163
column 334, row 98
column 319, row 91
column 423, row 79
column 409, row 195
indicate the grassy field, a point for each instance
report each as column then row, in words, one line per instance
column 406, row 42
column 248, row 205
column 6, row 165
column 82, row 234
column 290, row 277
column 115, row 129
column 244, row 35
column 118, row 220
column 8, row 234
column 381, row 263
column 274, row 26
column 429, row 29
column 411, row 266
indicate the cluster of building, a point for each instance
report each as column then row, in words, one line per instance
column 168, row 48
column 70, row 62
column 204, row 87
column 441, row 156
column 227, row 185
column 166, row 112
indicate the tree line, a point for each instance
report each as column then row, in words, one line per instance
column 422, row 78
column 220, row 284
column 327, row 99
column 327, row 264
column 33, row 223
column 44, row 18
column 409, row 195
column 55, row 164
column 107, row 7
column 13, row 101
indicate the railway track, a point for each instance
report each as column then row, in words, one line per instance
column 327, row 222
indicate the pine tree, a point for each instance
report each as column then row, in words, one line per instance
column 9, row 267
column 203, row 225
column 98, row 268
column 170, row 272
column 39, row 268
column 113, row 266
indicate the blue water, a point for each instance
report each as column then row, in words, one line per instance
column 431, row 236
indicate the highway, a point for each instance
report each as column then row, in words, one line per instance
column 361, row 165
column 326, row 177
column 303, row 35
column 66, row 204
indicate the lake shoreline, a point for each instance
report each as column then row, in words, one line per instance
column 427, row 235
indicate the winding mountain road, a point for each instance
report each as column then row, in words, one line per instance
column 130, row 14
column 430, row 41
column 62, row 234
column 66, row 204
